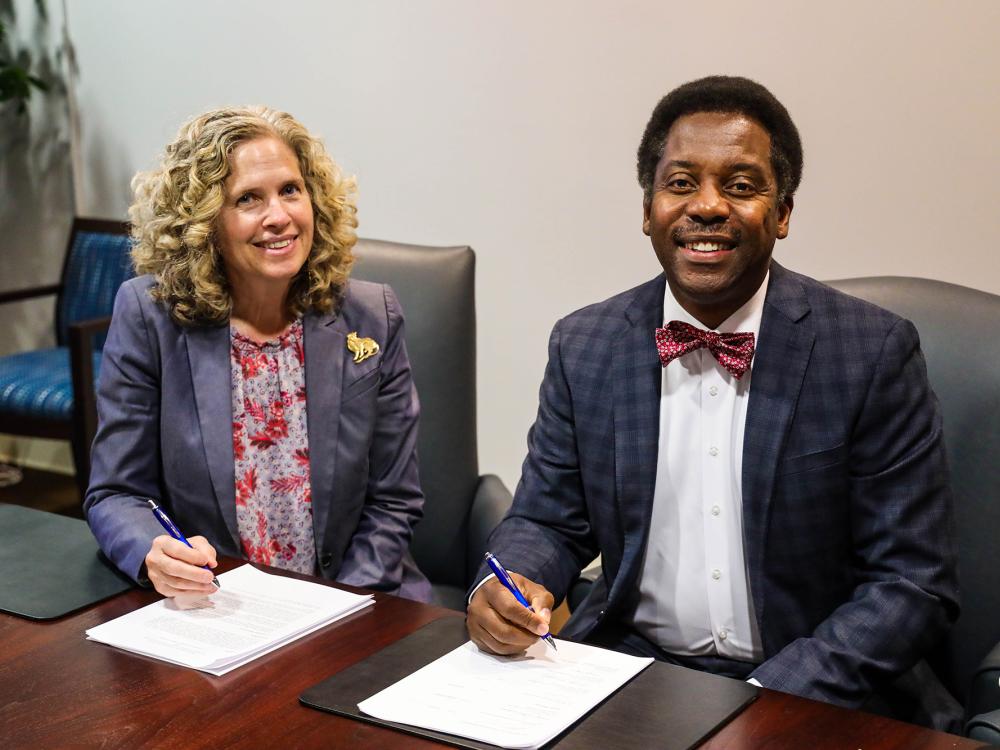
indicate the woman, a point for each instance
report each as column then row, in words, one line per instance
column 232, row 389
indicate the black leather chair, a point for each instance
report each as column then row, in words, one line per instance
column 957, row 328
column 436, row 286
column 958, row 334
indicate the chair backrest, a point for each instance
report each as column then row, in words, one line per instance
column 958, row 335
column 97, row 262
column 436, row 287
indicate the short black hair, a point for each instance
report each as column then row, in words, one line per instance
column 724, row 94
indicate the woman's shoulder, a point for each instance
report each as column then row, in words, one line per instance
column 135, row 291
column 366, row 293
column 135, row 301
column 369, row 297
column 367, row 303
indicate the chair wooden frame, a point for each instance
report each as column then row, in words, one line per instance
column 83, row 424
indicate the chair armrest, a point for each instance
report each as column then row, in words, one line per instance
column 984, row 693
column 81, row 363
column 491, row 503
column 984, row 727
column 17, row 295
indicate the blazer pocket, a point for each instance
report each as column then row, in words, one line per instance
column 812, row 461
column 362, row 385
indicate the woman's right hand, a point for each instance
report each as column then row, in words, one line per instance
column 175, row 569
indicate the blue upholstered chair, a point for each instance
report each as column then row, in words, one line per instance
column 49, row 393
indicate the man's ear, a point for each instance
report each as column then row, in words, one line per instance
column 645, row 217
column 785, row 216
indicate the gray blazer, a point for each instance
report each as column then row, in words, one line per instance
column 165, row 431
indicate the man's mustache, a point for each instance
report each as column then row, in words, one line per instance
column 720, row 231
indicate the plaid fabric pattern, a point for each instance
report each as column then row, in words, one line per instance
column 847, row 510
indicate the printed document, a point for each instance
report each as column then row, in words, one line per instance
column 512, row 701
column 252, row 614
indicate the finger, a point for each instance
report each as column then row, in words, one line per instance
column 160, row 565
column 505, row 636
column 179, row 551
column 511, row 610
column 184, row 584
column 202, row 545
column 162, row 581
column 542, row 604
column 493, row 635
column 196, row 576
column 486, row 642
column 164, row 586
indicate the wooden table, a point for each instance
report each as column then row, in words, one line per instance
column 59, row 690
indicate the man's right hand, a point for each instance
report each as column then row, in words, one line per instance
column 499, row 624
column 175, row 569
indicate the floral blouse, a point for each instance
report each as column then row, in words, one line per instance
column 271, row 450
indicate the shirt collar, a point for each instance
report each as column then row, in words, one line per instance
column 745, row 320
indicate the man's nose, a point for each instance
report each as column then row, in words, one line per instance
column 708, row 205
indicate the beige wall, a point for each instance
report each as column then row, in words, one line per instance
column 512, row 126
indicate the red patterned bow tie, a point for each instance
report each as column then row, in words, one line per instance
column 734, row 351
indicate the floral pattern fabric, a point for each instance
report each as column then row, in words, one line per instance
column 271, row 450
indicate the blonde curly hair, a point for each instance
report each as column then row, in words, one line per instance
column 176, row 207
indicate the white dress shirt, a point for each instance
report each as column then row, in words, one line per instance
column 694, row 593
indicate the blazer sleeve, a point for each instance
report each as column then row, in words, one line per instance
column 376, row 555
column 902, row 532
column 546, row 535
column 125, row 453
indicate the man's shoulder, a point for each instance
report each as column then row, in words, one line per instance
column 832, row 308
column 613, row 311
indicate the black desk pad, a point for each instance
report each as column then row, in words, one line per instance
column 664, row 706
column 50, row 565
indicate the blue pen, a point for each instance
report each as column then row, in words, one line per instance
column 169, row 527
column 504, row 577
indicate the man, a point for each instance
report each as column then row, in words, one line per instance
column 770, row 498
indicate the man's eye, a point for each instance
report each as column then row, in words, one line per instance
column 741, row 187
column 680, row 183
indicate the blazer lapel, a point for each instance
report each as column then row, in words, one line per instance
column 325, row 348
column 208, row 356
column 636, row 378
column 785, row 344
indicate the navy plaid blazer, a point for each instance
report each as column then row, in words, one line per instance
column 846, row 507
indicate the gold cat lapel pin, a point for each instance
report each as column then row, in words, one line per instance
column 361, row 348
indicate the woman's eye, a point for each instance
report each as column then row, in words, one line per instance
column 290, row 189
column 244, row 199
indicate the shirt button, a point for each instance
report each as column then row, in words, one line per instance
column 723, row 634
column 713, row 391
column 716, row 510
column 713, row 451
column 716, row 574
column 326, row 560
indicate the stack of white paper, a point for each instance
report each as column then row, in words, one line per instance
column 252, row 614
column 516, row 702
